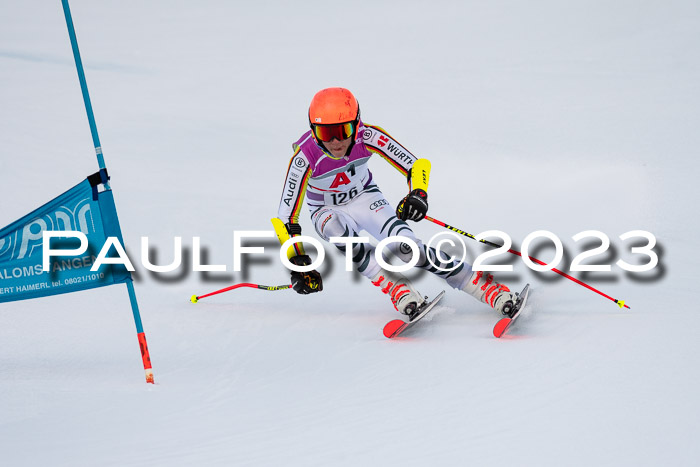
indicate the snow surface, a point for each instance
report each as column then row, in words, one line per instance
column 563, row 116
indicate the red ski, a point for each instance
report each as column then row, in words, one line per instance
column 397, row 326
column 504, row 323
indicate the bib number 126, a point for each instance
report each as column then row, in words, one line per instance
column 344, row 197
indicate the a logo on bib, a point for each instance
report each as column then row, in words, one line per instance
column 340, row 179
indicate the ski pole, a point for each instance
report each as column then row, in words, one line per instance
column 620, row 303
column 196, row 298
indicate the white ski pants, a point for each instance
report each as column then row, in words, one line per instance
column 372, row 213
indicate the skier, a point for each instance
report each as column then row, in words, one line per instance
column 329, row 166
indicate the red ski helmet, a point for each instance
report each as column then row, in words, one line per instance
column 334, row 113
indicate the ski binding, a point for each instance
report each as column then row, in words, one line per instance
column 504, row 323
column 395, row 327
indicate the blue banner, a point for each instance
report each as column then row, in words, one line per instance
column 83, row 208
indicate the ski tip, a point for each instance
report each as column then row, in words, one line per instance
column 391, row 327
column 501, row 326
column 194, row 299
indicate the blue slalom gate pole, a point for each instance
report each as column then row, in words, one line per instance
column 83, row 85
column 101, row 162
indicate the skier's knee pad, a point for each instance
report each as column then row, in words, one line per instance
column 330, row 223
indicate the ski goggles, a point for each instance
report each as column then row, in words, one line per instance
column 339, row 131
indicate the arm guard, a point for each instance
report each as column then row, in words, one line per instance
column 285, row 232
column 419, row 175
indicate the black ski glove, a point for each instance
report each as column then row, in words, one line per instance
column 414, row 206
column 305, row 282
